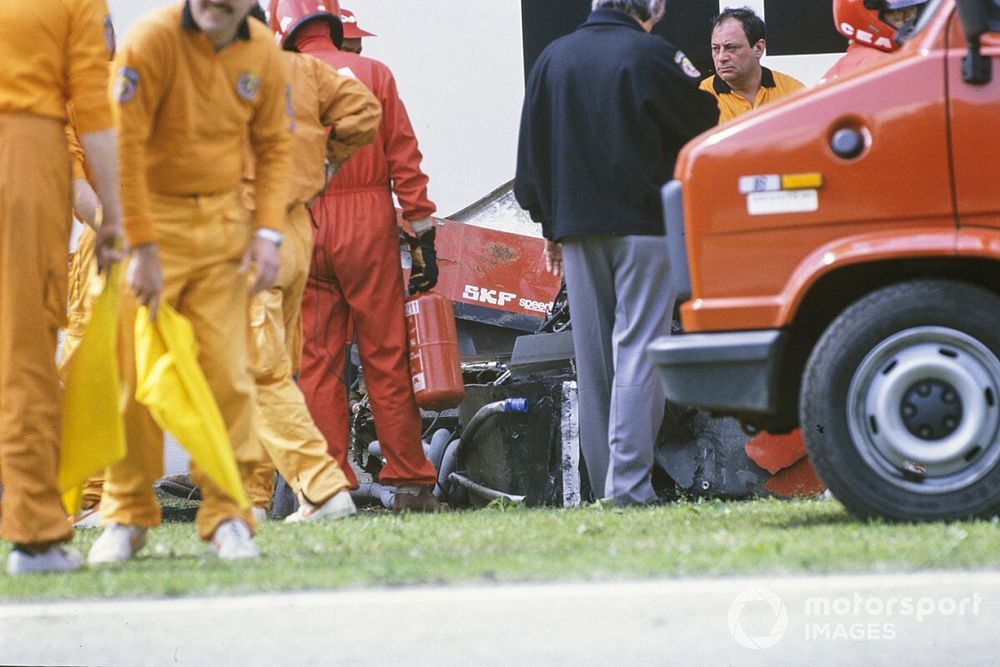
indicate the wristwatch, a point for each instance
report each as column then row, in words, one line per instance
column 268, row 234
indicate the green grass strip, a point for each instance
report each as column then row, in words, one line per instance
column 516, row 545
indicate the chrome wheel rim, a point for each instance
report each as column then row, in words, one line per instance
column 922, row 409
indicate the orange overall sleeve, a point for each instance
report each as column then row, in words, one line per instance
column 137, row 88
column 87, row 61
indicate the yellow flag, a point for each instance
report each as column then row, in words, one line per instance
column 171, row 384
column 93, row 434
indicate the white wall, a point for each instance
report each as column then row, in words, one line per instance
column 459, row 67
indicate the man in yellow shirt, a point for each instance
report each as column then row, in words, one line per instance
column 54, row 53
column 192, row 81
column 741, row 83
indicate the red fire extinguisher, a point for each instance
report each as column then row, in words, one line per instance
column 435, row 368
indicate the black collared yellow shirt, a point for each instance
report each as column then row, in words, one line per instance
column 773, row 86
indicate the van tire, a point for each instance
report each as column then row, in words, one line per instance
column 899, row 403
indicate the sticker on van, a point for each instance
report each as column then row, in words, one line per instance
column 783, row 201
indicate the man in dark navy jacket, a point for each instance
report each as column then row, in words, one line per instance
column 606, row 111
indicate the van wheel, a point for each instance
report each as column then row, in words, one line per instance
column 899, row 403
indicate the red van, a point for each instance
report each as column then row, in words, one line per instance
column 842, row 273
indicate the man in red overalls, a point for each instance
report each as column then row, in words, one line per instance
column 356, row 278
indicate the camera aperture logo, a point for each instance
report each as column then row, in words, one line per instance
column 762, row 601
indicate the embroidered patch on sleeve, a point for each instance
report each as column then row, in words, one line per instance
column 109, row 35
column 686, row 65
column 126, row 84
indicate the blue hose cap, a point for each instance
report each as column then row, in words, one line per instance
column 516, row 405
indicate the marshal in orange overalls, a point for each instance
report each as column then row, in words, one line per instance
column 356, row 277
column 185, row 111
column 53, row 53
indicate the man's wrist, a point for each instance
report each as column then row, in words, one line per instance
column 270, row 235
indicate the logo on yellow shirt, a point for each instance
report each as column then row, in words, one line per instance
column 126, row 84
column 248, row 86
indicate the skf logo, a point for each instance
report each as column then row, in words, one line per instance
column 865, row 37
column 483, row 295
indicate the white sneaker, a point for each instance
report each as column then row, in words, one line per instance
column 233, row 541
column 117, row 544
column 259, row 514
column 90, row 518
column 53, row 559
column 339, row 505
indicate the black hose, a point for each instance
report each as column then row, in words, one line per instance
column 453, row 453
column 497, row 407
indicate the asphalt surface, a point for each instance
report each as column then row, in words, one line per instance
column 914, row 619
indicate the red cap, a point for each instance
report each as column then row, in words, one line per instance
column 351, row 28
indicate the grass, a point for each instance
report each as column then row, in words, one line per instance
column 510, row 544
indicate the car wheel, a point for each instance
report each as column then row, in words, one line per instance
column 899, row 403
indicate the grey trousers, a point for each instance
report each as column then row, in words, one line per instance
column 620, row 299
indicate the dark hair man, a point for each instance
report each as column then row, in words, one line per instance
column 741, row 83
